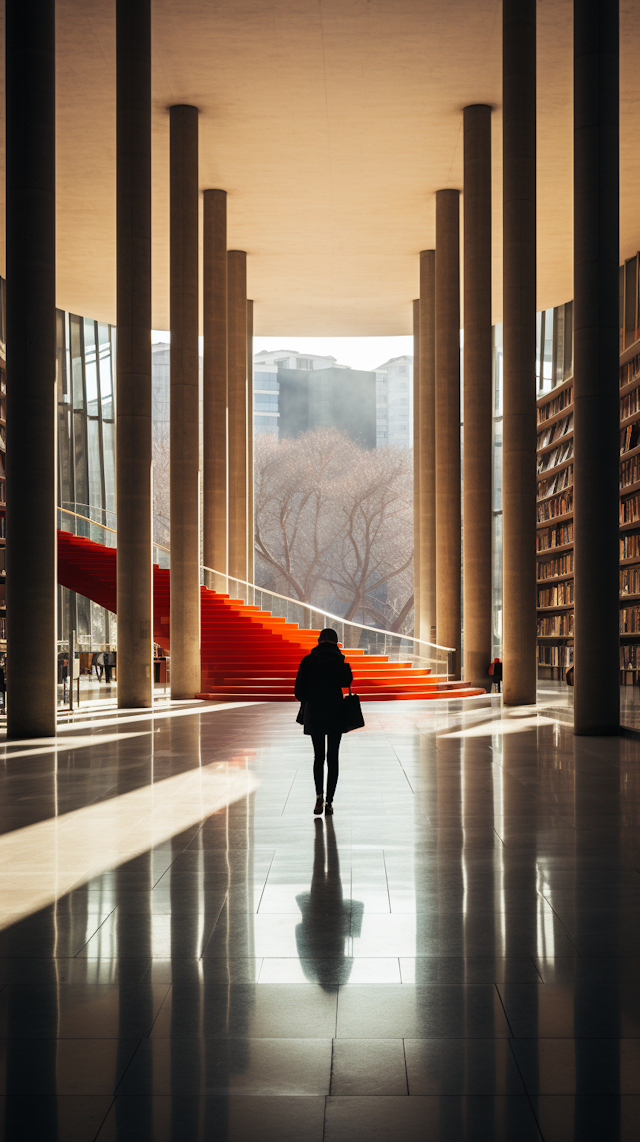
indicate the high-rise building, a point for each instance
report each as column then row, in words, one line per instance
column 293, row 393
column 394, row 403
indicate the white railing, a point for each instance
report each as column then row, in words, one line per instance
column 355, row 636
column 352, row 635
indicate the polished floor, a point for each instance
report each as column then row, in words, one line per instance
column 186, row 955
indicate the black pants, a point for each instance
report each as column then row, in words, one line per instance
column 332, row 762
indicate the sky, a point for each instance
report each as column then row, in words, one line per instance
column 358, row 352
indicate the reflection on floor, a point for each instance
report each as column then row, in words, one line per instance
column 454, row 956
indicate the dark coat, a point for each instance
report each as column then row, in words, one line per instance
column 321, row 678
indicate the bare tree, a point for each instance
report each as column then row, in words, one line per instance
column 376, row 551
column 296, row 524
column 161, row 484
column 334, row 524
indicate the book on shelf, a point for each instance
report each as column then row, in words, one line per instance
column 555, row 431
column 629, row 372
column 563, row 565
column 630, row 580
column 630, row 509
column 560, row 595
column 553, row 407
column 555, row 655
column 556, row 626
column 553, row 484
column 554, row 537
column 630, row 545
column 557, row 456
column 550, row 509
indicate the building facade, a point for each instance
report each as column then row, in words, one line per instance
column 394, row 403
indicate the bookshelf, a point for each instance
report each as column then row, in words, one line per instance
column 554, row 507
column 629, row 518
column 554, row 528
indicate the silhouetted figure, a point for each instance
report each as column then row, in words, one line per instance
column 319, row 684
column 495, row 673
column 327, row 918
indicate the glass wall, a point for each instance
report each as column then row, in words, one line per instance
column 86, row 460
column 554, row 364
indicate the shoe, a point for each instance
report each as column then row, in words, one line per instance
column 328, row 809
column 319, row 804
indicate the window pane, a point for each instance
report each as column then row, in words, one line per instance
column 108, row 443
column 106, row 380
column 82, row 491
column 95, row 473
column 90, row 367
column 76, row 360
column 64, row 456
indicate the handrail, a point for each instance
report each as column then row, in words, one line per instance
column 276, row 595
column 322, row 611
column 86, row 519
column 105, row 527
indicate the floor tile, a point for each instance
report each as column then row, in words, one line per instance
column 275, row 1011
column 461, row 1067
column 195, row 1067
column 579, row 1066
column 586, row 1118
column 236, row 1119
column 386, row 1119
column 78, row 1067
column 368, row 1067
column 472, row 1011
column 588, row 1010
column 75, row 1118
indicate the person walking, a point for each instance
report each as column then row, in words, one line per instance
column 321, row 677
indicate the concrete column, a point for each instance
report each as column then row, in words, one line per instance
column 427, row 457
column 250, row 532
column 448, row 505
column 596, row 411
column 519, row 347
column 31, row 369
column 416, row 469
column 237, row 278
column 214, row 324
column 477, row 394
column 133, row 360
column 185, row 444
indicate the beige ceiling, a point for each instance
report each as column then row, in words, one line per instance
column 330, row 123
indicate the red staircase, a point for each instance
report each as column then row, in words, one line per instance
column 246, row 653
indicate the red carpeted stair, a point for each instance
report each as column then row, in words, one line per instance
column 246, row 653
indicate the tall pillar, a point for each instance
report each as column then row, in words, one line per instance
column 214, row 327
column 416, row 469
column 250, row 531
column 427, row 458
column 477, row 394
column 519, row 348
column 237, row 278
column 596, row 411
column 185, row 443
column 31, row 376
column 448, row 506
column 133, row 361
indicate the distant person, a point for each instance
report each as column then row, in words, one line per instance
column 3, row 685
column 319, row 684
column 100, row 657
column 495, row 673
column 109, row 665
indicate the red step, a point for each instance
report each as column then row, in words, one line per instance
column 247, row 654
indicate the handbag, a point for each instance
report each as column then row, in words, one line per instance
column 300, row 718
column 352, row 718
